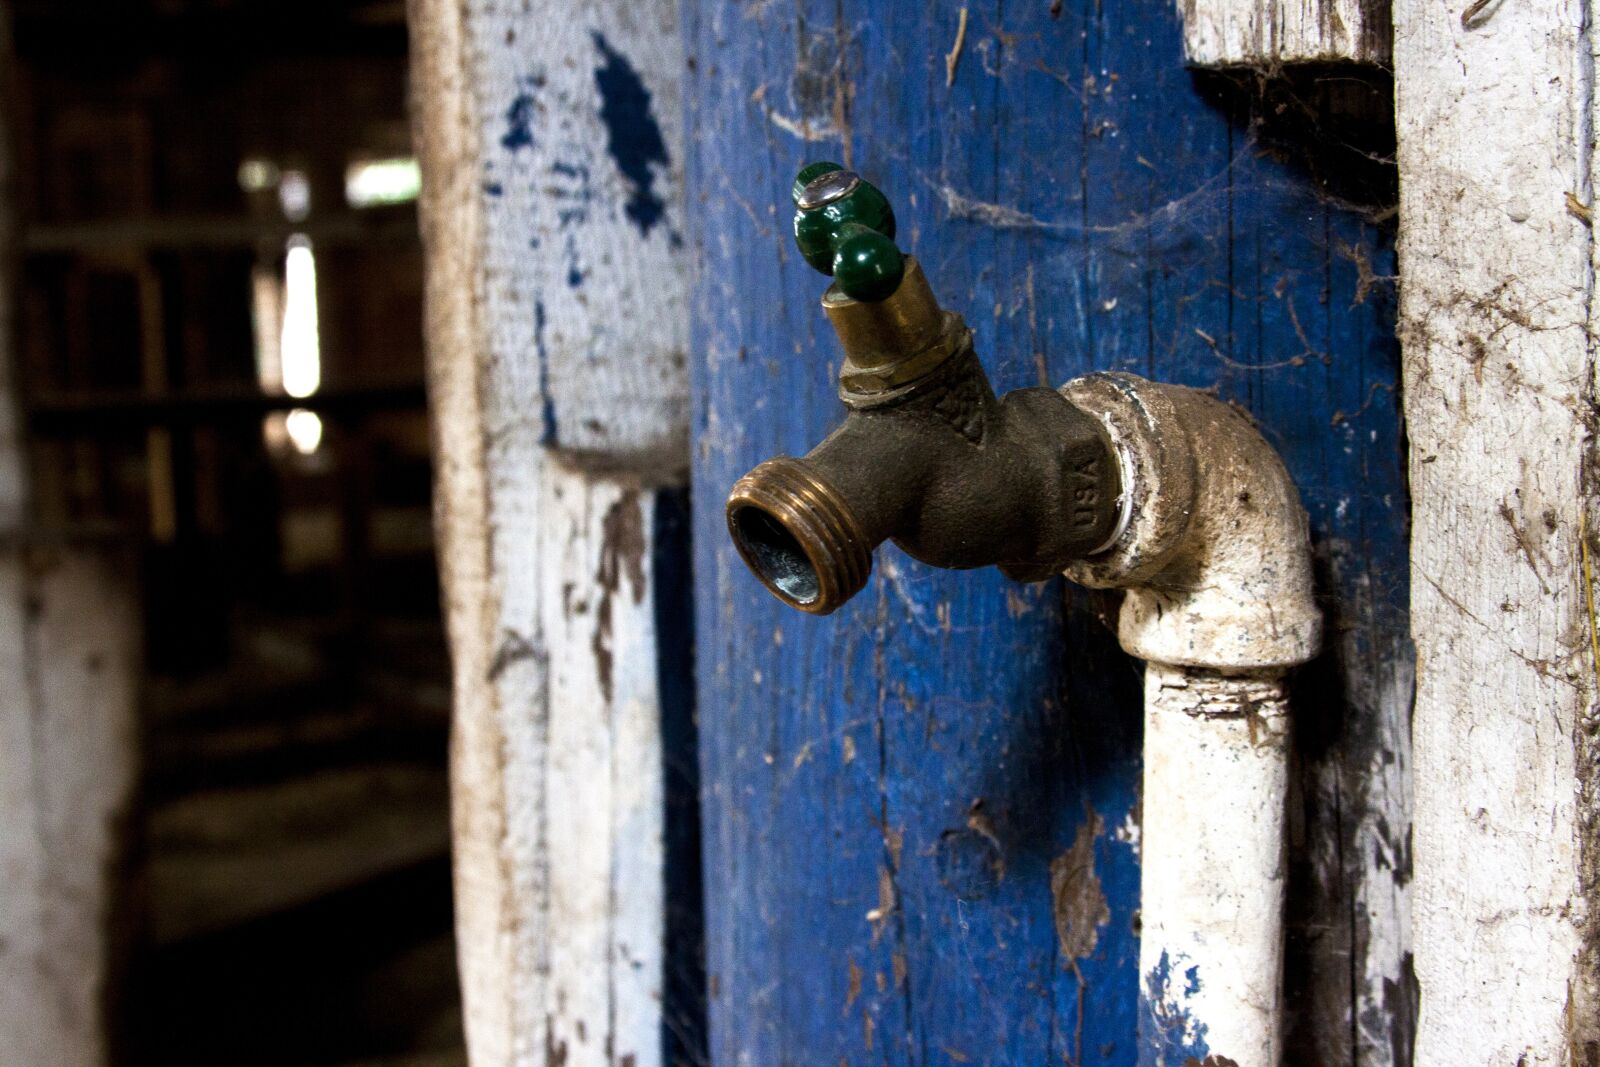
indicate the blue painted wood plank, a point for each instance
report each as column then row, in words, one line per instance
column 911, row 806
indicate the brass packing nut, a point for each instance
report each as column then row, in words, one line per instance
column 894, row 342
column 798, row 536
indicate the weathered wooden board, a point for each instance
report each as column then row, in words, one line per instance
column 69, row 657
column 1495, row 120
column 921, row 813
column 570, row 127
column 1267, row 33
column 555, row 332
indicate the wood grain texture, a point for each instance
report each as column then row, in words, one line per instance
column 569, row 145
column 69, row 653
column 1267, row 33
column 1495, row 122
column 896, row 795
column 542, row 392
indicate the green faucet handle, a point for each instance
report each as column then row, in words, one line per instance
column 845, row 228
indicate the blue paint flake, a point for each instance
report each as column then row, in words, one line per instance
column 494, row 188
column 519, row 123
column 634, row 136
column 549, row 435
column 575, row 275
column 1165, row 1023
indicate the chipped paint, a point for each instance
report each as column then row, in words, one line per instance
column 1169, row 1033
column 633, row 136
column 1080, row 906
column 622, row 552
column 519, row 118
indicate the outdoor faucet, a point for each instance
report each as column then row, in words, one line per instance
column 1165, row 492
column 927, row 455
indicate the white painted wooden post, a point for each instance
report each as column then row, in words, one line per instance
column 557, row 320
column 1267, row 33
column 68, row 663
column 1495, row 121
column 68, row 656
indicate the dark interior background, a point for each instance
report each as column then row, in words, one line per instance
column 291, row 872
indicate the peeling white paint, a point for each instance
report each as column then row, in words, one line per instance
column 1265, row 33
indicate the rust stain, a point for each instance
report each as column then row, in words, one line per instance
column 1579, row 210
column 855, row 986
column 1080, row 903
column 555, row 1049
column 622, row 548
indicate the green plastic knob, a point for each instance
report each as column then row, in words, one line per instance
column 844, row 227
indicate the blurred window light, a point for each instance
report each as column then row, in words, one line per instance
column 376, row 182
column 300, row 353
column 304, row 429
column 294, row 195
column 258, row 175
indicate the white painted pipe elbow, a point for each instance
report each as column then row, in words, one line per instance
column 1215, row 557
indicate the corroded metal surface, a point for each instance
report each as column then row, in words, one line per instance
column 930, row 458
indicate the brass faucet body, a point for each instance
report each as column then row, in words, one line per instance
column 929, row 458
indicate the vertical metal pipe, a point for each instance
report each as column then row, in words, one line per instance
column 1215, row 776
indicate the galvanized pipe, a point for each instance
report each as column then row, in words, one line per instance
column 1216, row 564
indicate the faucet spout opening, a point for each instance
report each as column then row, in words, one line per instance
column 797, row 534
column 777, row 555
